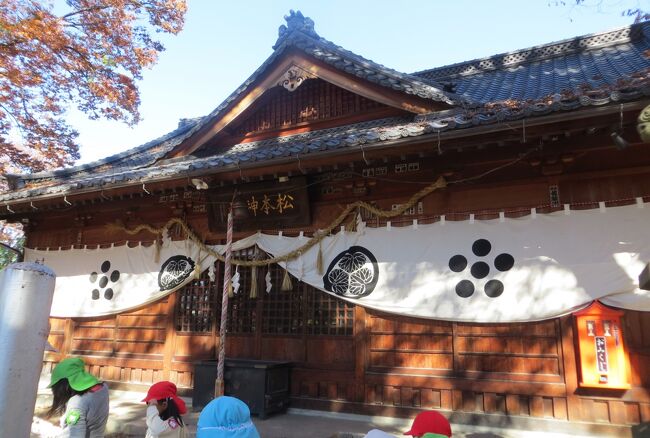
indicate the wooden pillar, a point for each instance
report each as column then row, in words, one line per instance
column 574, row 411
column 361, row 352
column 67, row 340
column 455, row 346
column 170, row 336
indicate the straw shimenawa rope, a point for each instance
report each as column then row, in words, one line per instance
column 316, row 239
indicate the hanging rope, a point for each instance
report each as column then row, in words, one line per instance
column 316, row 239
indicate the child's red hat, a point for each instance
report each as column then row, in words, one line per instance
column 430, row 422
column 164, row 390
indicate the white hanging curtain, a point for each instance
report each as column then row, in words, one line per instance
column 97, row 282
column 509, row 270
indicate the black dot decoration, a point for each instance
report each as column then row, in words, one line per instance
column 504, row 262
column 103, row 282
column 493, row 288
column 457, row 263
column 481, row 247
column 480, row 270
column 465, row 288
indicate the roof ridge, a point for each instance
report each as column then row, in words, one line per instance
column 539, row 52
column 301, row 29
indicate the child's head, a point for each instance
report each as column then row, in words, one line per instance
column 226, row 417
column 68, row 378
column 167, row 408
column 169, row 405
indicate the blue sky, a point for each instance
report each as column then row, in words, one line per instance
column 225, row 41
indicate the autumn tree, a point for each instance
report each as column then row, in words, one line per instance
column 87, row 54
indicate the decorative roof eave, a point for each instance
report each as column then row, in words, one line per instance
column 140, row 156
column 383, row 134
column 536, row 53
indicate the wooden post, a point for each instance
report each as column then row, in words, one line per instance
column 170, row 337
column 361, row 351
column 219, row 384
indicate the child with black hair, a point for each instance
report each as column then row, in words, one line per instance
column 80, row 398
column 164, row 410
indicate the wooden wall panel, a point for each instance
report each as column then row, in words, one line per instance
column 239, row 346
column 286, row 349
column 195, row 346
column 502, row 369
column 314, row 100
column 330, row 352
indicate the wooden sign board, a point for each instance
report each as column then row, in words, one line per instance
column 602, row 358
column 263, row 205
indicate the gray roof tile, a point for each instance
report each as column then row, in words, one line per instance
column 594, row 61
column 593, row 70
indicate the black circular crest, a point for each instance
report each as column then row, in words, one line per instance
column 457, row 263
column 353, row 273
column 465, row 288
column 480, row 270
column 175, row 271
column 493, row 288
column 504, row 262
column 481, row 247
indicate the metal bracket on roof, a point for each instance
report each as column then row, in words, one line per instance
column 33, row 206
column 300, row 164
column 145, row 189
column 65, row 199
column 363, row 154
column 241, row 175
column 9, row 208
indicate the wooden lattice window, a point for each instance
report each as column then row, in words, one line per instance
column 198, row 305
column 242, row 309
column 302, row 310
column 327, row 315
column 283, row 310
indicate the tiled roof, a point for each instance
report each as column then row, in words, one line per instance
column 354, row 136
column 140, row 156
column 588, row 62
column 300, row 33
column 565, row 76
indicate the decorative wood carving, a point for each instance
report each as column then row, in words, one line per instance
column 294, row 77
